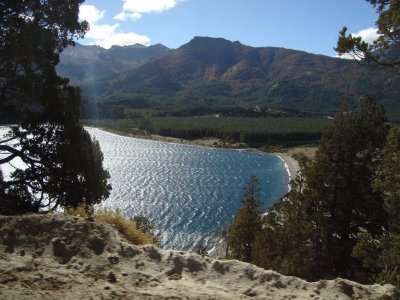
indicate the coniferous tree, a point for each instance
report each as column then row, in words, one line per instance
column 321, row 216
column 380, row 255
column 380, row 52
column 284, row 242
column 246, row 224
column 62, row 165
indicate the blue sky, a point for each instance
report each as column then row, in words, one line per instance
column 308, row 25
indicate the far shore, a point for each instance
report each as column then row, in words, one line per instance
column 291, row 164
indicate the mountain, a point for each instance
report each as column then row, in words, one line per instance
column 84, row 64
column 217, row 73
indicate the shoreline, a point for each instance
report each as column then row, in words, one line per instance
column 291, row 165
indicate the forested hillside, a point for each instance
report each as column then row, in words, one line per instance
column 214, row 74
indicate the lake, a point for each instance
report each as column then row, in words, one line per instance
column 190, row 193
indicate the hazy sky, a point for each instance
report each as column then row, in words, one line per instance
column 308, row 25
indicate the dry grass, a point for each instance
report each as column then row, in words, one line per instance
column 117, row 220
column 308, row 151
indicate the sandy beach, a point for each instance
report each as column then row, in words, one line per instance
column 292, row 166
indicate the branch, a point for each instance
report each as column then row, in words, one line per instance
column 374, row 59
column 8, row 159
column 16, row 153
column 5, row 141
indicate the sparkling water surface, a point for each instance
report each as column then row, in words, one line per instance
column 190, row 193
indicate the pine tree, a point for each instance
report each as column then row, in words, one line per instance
column 320, row 218
column 246, row 224
column 380, row 255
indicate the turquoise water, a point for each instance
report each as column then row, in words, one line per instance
column 189, row 192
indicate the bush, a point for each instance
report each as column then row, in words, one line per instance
column 128, row 228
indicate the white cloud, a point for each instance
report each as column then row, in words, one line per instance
column 106, row 35
column 149, row 6
column 101, row 32
column 90, row 13
column 123, row 39
column 134, row 9
column 123, row 16
column 368, row 35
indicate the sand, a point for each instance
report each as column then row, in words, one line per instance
column 291, row 165
column 59, row 257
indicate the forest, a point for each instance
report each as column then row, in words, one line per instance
column 252, row 131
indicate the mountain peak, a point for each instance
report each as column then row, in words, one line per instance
column 197, row 40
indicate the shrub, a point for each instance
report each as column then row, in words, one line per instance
column 128, row 228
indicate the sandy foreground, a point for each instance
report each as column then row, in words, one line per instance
column 59, row 257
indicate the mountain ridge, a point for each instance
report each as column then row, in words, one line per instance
column 85, row 63
column 218, row 73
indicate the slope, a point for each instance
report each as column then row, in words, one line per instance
column 59, row 257
column 214, row 72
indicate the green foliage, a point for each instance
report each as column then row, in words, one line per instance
column 380, row 252
column 379, row 52
column 313, row 230
column 16, row 199
column 388, row 179
column 254, row 131
column 381, row 255
column 62, row 165
column 390, row 257
column 284, row 244
column 246, row 224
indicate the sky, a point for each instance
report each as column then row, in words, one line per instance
column 307, row 25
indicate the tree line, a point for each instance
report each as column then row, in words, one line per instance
column 253, row 131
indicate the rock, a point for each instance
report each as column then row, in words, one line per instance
column 111, row 277
column 61, row 250
column 113, row 259
column 103, row 265
column 97, row 244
